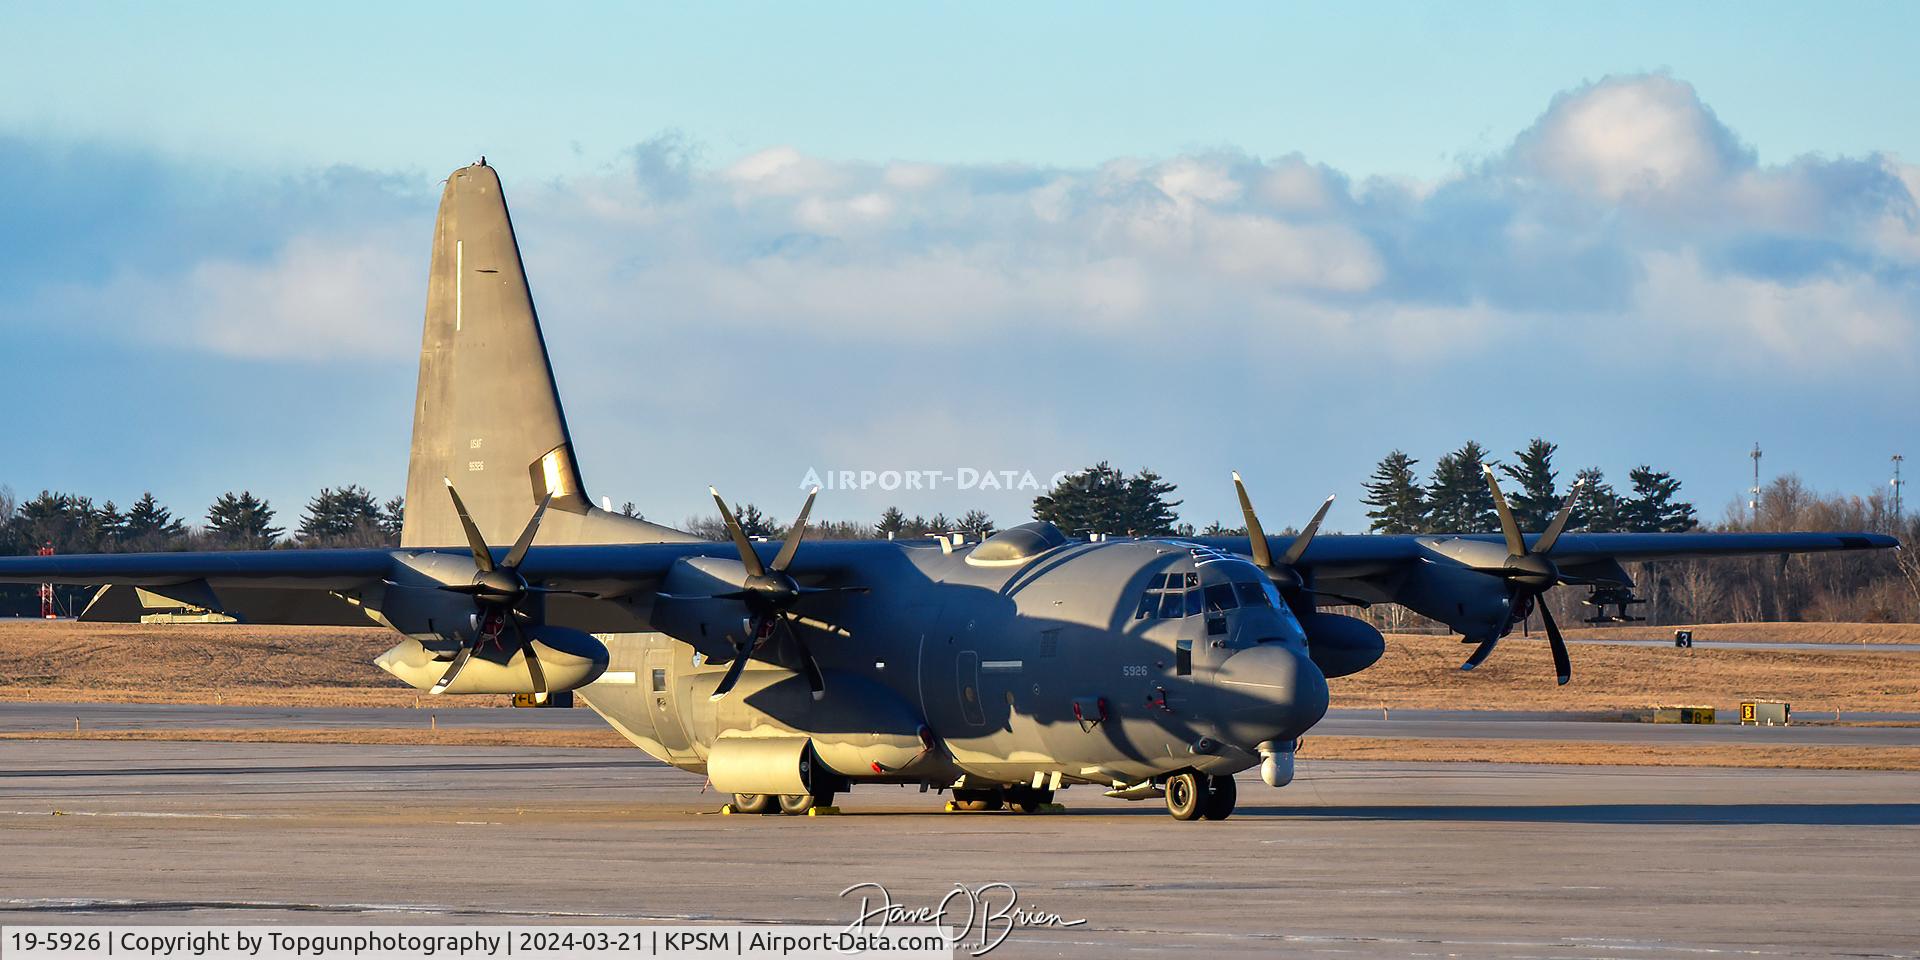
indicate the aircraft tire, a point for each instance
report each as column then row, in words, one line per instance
column 1187, row 795
column 1027, row 799
column 976, row 801
column 752, row 803
column 797, row 804
column 1221, row 794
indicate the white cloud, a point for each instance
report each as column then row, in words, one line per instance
column 1627, row 208
column 1633, row 137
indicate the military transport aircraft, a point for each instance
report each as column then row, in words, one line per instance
column 787, row 673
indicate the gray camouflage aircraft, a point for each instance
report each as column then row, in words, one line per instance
column 787, row 673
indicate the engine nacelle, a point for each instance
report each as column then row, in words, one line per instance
column 568, row 659
column 1340, row 645
column 1474, row 604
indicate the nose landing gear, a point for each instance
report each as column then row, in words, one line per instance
column 1196, row 796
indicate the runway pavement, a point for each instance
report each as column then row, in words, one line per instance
column 32, row 717
column 1354, row 859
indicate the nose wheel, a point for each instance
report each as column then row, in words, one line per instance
column 1194, row 796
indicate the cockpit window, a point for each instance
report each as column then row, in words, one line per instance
column 1220, row 597
column 1172, row 606
column 1251, row 594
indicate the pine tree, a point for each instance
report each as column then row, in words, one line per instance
column 755, row 521
column 1652, row 508
column 1598, row 508
column 1102, row 499
column 976, row 524
column 150, row 526
column 64, row 521
column 110, row 526
column 1535, row 501
column 393, row 519
column 349, row 516
column 892, row 523
column 1459, row 499
column 242, row 522
column 1148, row 512
column 1398, row 500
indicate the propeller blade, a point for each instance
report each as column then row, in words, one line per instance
column 816, row 681
column 734, row 670
column 1552, row 536
column 482, row 557
column 793, row 538
column 1516, row 544
column 534, row 671
column 459, row 661
column 747, row 557
column 519, row 551
column 1480, row 653
column 1562, row 665
column 1299, row 547
column 1256, row 536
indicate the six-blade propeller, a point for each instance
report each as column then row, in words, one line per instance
column 1529, row 575
column 497, row 590
column 770, row 594
column 1285, row 573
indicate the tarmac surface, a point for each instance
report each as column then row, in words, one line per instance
column 49, row 717
column 1353, row 859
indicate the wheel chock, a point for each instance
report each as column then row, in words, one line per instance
column 951, row 808
column 823, row 811
column 727, row 810
column 1052, row 808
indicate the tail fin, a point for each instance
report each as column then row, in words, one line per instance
column 488, row 414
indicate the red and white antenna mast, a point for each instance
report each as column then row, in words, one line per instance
column 46, row 589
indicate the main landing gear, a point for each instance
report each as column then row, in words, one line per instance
column 1018, row 798
column 793, row 805
column 1196, row 796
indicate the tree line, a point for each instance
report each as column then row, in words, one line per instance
column 346, row 516
column 1451, row 498
column 1455, row 497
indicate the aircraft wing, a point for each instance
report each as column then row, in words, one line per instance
column 305, row 586
column 1345, row 556
column 309, row 569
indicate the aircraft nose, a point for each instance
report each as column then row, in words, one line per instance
column 1270, row 692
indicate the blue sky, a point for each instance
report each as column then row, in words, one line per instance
column 1283, row 239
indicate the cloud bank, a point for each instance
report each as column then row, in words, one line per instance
column 1627, row 213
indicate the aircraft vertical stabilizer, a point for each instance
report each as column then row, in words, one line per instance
column 487, row 415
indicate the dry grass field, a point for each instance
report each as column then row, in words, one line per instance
column 332, row 666
column 1759, row 632
column 203, row 663
column 1424, row 672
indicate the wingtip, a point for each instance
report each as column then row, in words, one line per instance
column 713, row 489
column 815, row 490
column 1236, row 476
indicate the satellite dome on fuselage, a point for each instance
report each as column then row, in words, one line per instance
column 1017, row 544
